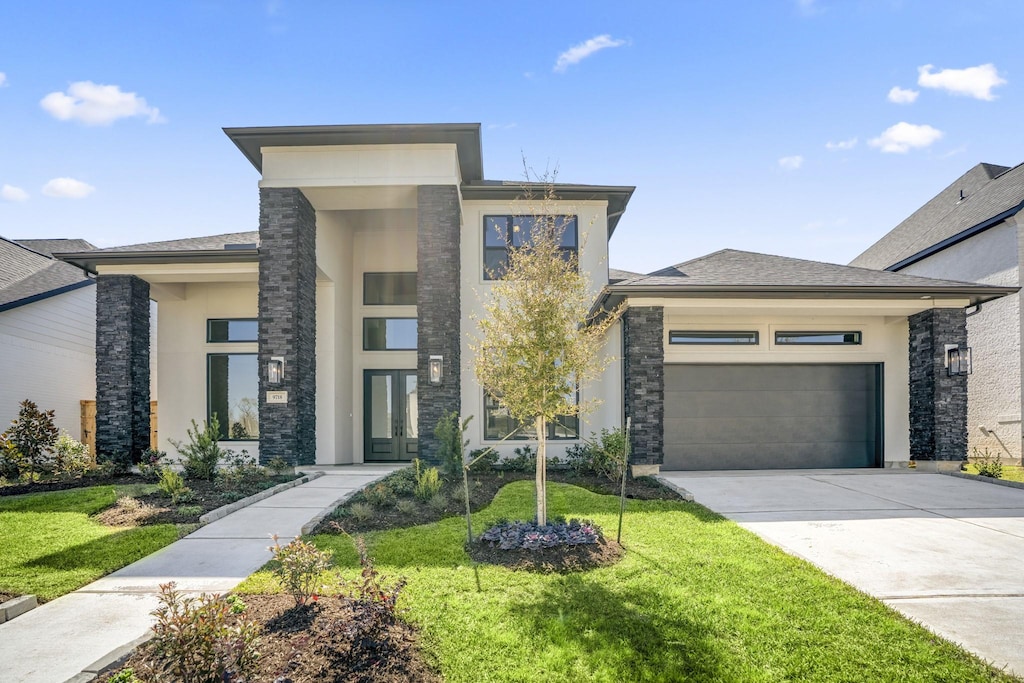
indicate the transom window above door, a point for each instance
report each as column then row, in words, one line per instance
column 389, row 334
column 220, row 330
column 389, row 289
column 504, row 232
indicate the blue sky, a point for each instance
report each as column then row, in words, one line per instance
column 721, row 113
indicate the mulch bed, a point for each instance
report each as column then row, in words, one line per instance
column 483, row 487
column 561, row 560
column 206, row 496
column 65, row 484
column 313, row 643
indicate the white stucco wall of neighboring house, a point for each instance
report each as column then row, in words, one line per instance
column 48, row 355
column 182, row 352
column 993, row 333
column 593, row 231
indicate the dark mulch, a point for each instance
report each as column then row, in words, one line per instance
column 561, row 560
column 206, row 496
column 316, row 643
column 65, row 484
column 483, row 487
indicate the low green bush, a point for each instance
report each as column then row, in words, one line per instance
column 450, row 433
column 428, row 481
column 70, row 456
column 360, row 511
column 601, row 455
column 172, row 485
column 986, row 464
column 379, row 495
column 202, row 454
column 298, row 567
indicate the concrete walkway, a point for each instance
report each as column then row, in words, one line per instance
column 61, row 638
column 943, row 551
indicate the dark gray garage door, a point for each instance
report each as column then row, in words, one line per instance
column 724, row 417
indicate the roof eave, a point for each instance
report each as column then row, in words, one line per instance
column 617, row 196
column 89, row 261
column 45, row 295
column 977, row 295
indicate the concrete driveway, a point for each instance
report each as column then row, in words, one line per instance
column 944, row 551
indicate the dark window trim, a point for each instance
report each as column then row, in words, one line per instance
column 209, row 397
column 551, row 427
column 859, row 335
column 386, row 272
column 754, row 336
column 387, row 317
column 508, row 234
column 209, row 336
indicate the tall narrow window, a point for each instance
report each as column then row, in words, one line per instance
column 504, row 232
column 232, row 389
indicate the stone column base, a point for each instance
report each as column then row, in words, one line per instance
column 933, row 466
column 645, row 470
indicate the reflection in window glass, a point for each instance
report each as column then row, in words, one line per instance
column 702, row 337
column 503, row 232
column 498, row 424
column 227, row 330
column 232, row 390
column 389, row 289
column 847, row 338
column 389, row 334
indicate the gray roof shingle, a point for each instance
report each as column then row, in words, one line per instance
column 207, row 243
column 26, row 273
column 616, row 275
column 56, row 246
column 988, row 191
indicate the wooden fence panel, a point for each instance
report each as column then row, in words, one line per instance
column 89, row 426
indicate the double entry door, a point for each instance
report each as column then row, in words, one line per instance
column 389, row 415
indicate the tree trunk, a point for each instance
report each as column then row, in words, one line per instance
column 542, row 472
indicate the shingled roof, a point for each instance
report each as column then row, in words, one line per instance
column 208, row 243
column 981, row 198
column 28, row 275
column 232, row 246
column 56, row 246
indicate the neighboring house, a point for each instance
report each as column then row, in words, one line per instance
column 47, row 331
column 314, row 338
column 972, row 231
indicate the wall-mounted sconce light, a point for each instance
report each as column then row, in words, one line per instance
column 275, row 370
column 434, row 369
column 958, row 361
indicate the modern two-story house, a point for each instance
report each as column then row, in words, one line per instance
column 338, row 332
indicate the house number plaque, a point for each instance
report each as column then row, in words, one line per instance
column 277, row 397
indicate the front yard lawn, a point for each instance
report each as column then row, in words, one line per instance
column 695, row 598
column 49, row 544
column 1010, row 472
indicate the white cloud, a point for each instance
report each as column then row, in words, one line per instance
column 842, row 145
column 67, row 188
column 98, row 105
column 904, row 136
column 577, row 53
column 974, row 81
column 809, row 7
column 11, row 193
column 900, row 95
column 791, row 163
column 3, row 79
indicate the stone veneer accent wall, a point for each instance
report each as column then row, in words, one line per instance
column 938, row 402
column 122, row 368
column 644, row 367
column 438, row 308
column 287, row 324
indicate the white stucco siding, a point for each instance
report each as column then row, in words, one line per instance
column 181, row 356
column 593, row 240
column 48, row 355
column 993, row 333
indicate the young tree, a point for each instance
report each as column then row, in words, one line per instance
column 539, row 339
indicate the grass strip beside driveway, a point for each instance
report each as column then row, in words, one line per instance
column 696, row 598
column 49, row 545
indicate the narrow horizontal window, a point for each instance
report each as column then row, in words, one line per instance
column 389, row 289
column 231, row 330
column 232, row 389
column 389, row 334
column 702, row 337
column 825, row 338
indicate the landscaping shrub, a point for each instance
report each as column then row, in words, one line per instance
column 402, row 482
column 150, row 464
column 202, row 454
column 173, row 486
column 438, row 502
column 70, row 456
column 451, row 443
column 601, row 455
column 237, row 469
column 195, row 640
column 531, row 536
column 298, row 567
column 379, row 495
column 279, row 465
column 360, row 511
column 374, row 600
column 986, row 464
column 524, row 460
column 428, row 481
column 488, row 460
column 405, row 506
column 31, row 436
column 12, row 463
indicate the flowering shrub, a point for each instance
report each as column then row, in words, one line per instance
column 298, row 567
column 150, row 464
column 531, row 536
column 71, row 457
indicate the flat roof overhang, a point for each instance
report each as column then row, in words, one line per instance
column 465, row 136
column 89, row 261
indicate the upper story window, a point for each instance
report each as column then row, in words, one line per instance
column 231, row 330
column 714, row 337
column 824, row 338
column 503, row 232
column 389, row 289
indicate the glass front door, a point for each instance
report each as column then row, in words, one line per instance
column 389, row 415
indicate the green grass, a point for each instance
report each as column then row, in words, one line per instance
column 49, row 546
column 696, row 598
column 1010, row 472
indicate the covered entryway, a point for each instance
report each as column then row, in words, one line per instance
column 772, row 416
column 390, row 414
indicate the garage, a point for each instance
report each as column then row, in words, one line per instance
column 772, row 416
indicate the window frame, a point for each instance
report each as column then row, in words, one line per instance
column 709, row 335
column 552, row 425
column 389, row 317
column 209, row 392
column 367, row 274
column 509, row 221
column 209, row 331
column 857, row 334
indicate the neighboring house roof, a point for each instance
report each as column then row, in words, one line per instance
column 56, row 246
column 232, row 247
column 981, row 198
column 616, row 275
column 28, row 275
column 746, row 274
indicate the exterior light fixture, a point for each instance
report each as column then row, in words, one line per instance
column 434, row 368
column 958, row 361
column 275, row 370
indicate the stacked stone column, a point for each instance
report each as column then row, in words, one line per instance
column 644, row 369
column 938, row 402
